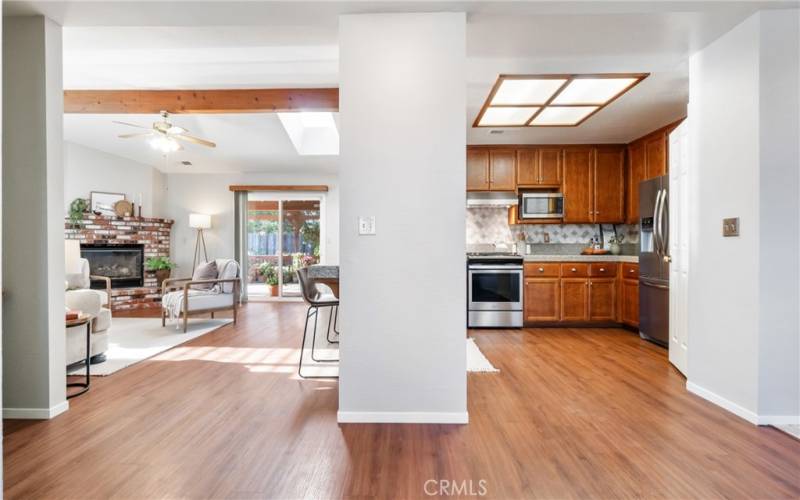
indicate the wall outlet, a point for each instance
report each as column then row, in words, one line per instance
column 366, row 225
column 730, row 227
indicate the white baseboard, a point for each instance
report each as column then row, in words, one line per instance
column 779, row 420
column 36, row 413
column 726, row 404
column 402, row 417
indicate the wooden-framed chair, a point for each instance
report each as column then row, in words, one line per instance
column 184, row 297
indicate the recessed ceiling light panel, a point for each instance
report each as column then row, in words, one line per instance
column 519, row 91
column 545, row 100
column 592, row 90
column 508, row 116
column 562, row 116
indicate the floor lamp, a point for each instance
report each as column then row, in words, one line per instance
column 199, row 222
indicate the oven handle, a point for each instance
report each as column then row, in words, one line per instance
column 498, row 269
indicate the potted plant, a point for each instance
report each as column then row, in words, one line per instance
column 270, row 274
column 162, row 267
column 77, row 208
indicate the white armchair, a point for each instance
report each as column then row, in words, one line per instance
column 181, row 298
column 80, row 297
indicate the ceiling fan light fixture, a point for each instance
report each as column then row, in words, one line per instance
column 164, row 144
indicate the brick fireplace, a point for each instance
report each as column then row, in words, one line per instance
column 117, row 247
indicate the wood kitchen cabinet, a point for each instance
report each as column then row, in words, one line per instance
column 542, row 299
column 602, row 296
column 635, row 175
column 655, row 150
column 539, row 167
column 477, row 170
column 574, row 299
column 609, row 185
column 491, row 169
column 629, row 295
column 577, row 185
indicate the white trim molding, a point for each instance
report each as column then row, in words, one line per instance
column 402, row 417
column 726, row 404
column 740, row 411
column 36, row 413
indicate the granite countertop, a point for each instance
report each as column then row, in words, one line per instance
column 322, row 272
column 580, row 258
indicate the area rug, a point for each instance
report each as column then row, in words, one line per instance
column 476, row 361
column 132, row 340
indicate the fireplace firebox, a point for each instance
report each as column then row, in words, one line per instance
column 124, row 264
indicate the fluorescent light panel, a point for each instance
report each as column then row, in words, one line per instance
column 518, row 91
column 507, row 116
column 592, row 90
column 554, row 115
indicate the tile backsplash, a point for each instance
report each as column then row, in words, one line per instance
column 490, row 225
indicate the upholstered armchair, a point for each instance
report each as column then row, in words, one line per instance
column 184, row 297
column 80, row 297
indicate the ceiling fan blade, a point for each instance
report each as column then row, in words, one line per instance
column 175, row 130
column 195, row 140
column 131, row 124
column 138, row 134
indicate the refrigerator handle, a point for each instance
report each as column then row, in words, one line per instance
column 657, row 224
column 664, row 229
column 660, row 286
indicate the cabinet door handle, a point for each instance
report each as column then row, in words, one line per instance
column 630, row 270
column 541, row 269
column 602, row 269
column 574, row 270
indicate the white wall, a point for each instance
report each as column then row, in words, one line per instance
column 403, row 318
column 209, row 194
column 87, row 170
column 34, row 374
column 743, row 324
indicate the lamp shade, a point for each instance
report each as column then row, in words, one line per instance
column 199, row 221
column 72, row 255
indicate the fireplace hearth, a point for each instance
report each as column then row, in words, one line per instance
column 124, row 264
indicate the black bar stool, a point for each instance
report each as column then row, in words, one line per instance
column 315, row 301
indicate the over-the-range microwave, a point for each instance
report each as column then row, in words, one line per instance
column 541, row 205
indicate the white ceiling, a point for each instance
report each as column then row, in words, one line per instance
column 283, row 44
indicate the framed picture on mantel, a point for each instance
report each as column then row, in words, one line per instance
column 104, row 202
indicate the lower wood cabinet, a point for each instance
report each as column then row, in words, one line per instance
column 574, row 299
column 542, row 299
column 630, row 302
column 601, row 299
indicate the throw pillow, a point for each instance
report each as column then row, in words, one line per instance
column 205, row 271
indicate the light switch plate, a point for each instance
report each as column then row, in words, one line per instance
column 366, row 225
column 730, row 227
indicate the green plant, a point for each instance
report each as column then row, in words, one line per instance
column 76, row 210
column 158, row 263
column 268, row 271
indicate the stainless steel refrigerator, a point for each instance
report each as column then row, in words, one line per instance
column 654, row 260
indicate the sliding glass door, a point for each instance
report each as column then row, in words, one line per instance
column 284, row 233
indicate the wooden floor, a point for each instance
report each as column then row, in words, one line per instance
column 574, row 413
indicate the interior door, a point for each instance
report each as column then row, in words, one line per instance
column 678, row 247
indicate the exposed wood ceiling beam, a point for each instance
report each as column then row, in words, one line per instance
column 200, row 101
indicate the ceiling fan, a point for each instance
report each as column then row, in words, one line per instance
column 163, row 135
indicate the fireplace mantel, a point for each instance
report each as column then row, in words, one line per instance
column 153, row 233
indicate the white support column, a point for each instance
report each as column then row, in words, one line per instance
column 403, row 289
column 34, row 374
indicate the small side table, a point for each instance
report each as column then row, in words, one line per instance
column 83, row 319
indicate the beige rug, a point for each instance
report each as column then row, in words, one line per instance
column 476, row 361
column 132, row 340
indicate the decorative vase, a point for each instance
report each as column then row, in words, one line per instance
column 161, row 275
column 615, row 249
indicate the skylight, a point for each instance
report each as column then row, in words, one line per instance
column 311, row 133
column 551, row 100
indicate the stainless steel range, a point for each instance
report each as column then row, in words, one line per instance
column 494, row 290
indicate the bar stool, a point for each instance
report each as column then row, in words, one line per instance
column 315, row 301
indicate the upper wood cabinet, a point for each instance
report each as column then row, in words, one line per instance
column 539, row 167
column 477, row 170
column 491, row 170
column 635, row 175
column 502, row 170
column 609, row 185
column 577, row 185
column 656, row 156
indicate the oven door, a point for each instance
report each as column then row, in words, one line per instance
column 493, row 288
column 542, row 206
